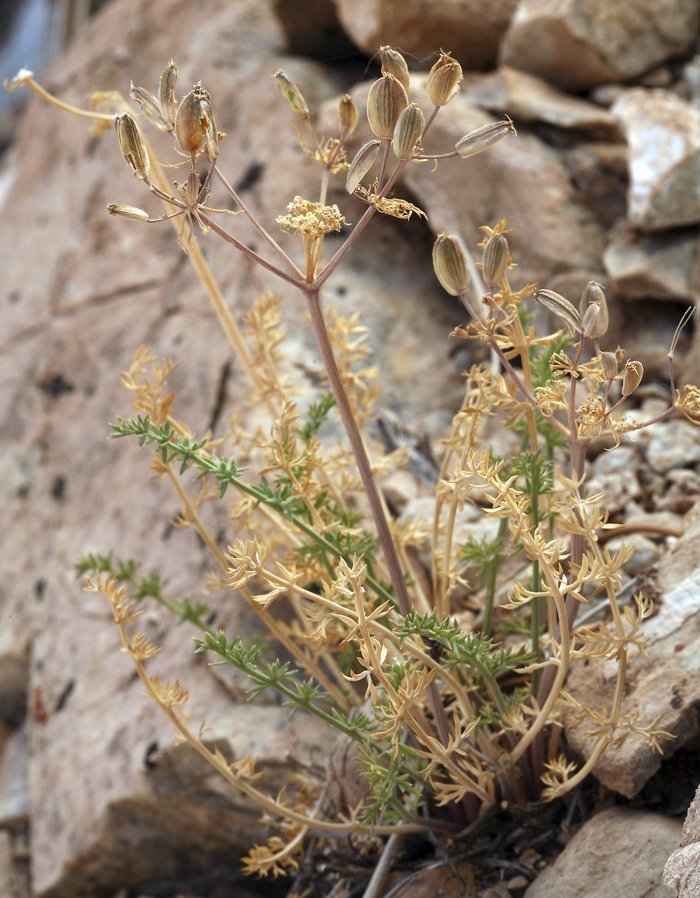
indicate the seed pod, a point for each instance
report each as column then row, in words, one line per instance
column 450, row 264
column 496, row 259
column 361, row 164
column 562, row 308
column 408, row 131
column 131, row 212
column 166, row 93
column 194, row 124
column 292, row 94
column 595, row 321
column 609, row 364
column 394, row 64
column 593, row 297
column 193, row 189
column 484, row 137
column 443, row 80
column 149, row 106
column 632, row 377
column 131, row 144
column 347, row 116
column 385, row 101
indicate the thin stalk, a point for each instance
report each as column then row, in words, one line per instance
column 358, row 447
column 266, row 236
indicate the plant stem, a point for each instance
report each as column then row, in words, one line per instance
column 358, row 447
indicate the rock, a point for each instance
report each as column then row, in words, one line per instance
column 578, row 44
column 615, row 473
column 14, row 786
column 682, row 871
column 617, row 852
column 526, row 98
column 663, row 135
column 654, row 266
column 14, row 871
column 313, row 29
column 469, row 29
column 673, row 444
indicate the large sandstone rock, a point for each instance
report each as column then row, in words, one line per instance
column 470, row 29
column 580, row 43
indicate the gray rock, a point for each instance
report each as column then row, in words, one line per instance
column 617, row 852
column 654, row 266
column 663, row 134
column 578, row 44
column 682, row 870
column 673, row 444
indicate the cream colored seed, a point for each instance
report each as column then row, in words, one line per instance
column 361, row 164
column 394, row 64
column 132, row 212
column 496, row 259
column 450, row 264
column 194, row 123
column 443, row 80
column 408, row 131
column 562, row 308
column 166, row 92
column 149, row 106
column 347, row 115
column 608, row 361
column 484, row 138
column 385, row 102
column 632, row 377
column 593, row 297
column 132, row 145
column 292, row 94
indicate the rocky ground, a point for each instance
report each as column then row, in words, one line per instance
column 601, row 183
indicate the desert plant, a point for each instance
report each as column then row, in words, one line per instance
column 444, row 717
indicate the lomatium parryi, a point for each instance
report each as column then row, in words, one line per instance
column 447, row 716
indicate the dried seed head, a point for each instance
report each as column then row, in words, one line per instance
column 166, row 93
column 443, row 80
column 149, row 106
column 632, row 377
column 385, row 101
column 347, row 116
column 562, row 308
column 394, row 64
column 195, row 130
column 496, row 259
column 131, row 212
column 609, row 364
column 594, row 311
column 292, row 94
column 132, row 145
column 484, row 138
column 450, row 264
column 408, row 131
column 361, row 164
